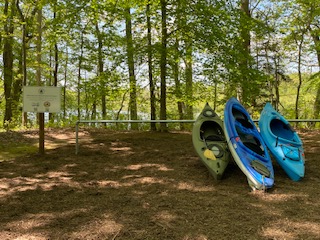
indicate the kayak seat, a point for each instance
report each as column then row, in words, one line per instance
column 254, row 147
column 282, row 130
column 211, row 131
column 241, row 118
column 245, row 123
column 251, row 142
column 215, row 138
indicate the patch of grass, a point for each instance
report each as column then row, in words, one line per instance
column 13, row 150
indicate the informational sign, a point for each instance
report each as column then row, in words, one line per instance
column 41, row 99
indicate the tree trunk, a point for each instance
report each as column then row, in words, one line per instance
column 276, row 83
column 17, row 88
column 300, row 77
column 8, row 59
column 150, row 69
column 100, row 73
column 25, row 39
column 65, row 85
column 94, row 110
column 189, row 78
column 163, row 65
column 79, row 74
column 244, row 62
column 178, row 90
column 38, row 77
column 132, row 78
column 175, row 65
column 56, row 66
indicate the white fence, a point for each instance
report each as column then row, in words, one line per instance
column 156, row 121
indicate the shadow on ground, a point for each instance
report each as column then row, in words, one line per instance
column 147, row 185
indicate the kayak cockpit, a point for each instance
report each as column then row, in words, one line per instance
column 242, row 118
column 211, row 131
column 281, row 129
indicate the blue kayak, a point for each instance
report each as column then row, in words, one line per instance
column 247, row 147
column 283, row 142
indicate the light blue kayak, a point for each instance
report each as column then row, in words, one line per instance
column 247, row 147
column 283, row 142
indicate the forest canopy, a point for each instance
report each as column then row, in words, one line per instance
column 162, row 59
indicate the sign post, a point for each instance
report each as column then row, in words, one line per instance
column 41, row 99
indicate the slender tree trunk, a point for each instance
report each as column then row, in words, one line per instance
column 25, row 39
column 100, row 73
column 300, row 77
column 132, row 78
column 178, row 90
column 189, row 78
column 244, row 63
column 150, row 70
column 87, row 100
column 79, row 75
column 276, row 82
column 215, row 96
column 8, row 59
column 179, row 22
column 65, row 85
column 268, row 71
column 94, row 110
column 38, row 77
column 17, row 88
column 24, row 57
column 56, row 66
column 188, row 58
column 163, row 65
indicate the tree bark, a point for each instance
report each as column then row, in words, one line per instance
column 65, row 85
column 24, row 21
column 132, row 78
column 244, row 62
column 300, row 77
column 163, row 65
column 56, row 66
column 150, row 70
column 100, row 72
column 276, row 82
column 79, row 74
column 38, row 77
column 17, row 88
column 189, row 78
column 175, row 65
column 8, row 59
column 177, row 82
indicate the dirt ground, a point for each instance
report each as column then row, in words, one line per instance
column 145, row 185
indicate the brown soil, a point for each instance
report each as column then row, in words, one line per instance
column 147, row 185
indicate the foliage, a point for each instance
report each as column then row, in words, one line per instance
column 85, row 43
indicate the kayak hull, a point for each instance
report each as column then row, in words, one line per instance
column 283, row 142
column 208, row 135
column 247, row 147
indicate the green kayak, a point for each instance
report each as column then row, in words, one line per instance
column 209, row 142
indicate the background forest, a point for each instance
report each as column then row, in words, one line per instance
column 143, row 59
